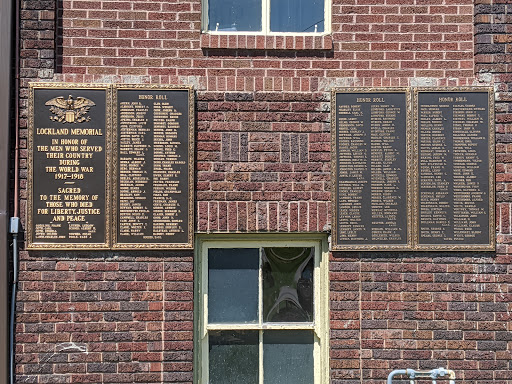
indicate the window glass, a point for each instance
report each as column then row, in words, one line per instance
column 288, row 357
column 234, row 15
column 233, row 285
column 262, row 312
column 233, row 357
column 297, row 15
column 288, row 284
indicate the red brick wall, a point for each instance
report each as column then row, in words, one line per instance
column 375, row 42
column 105, row 320
column 493, row 57
column 263, row 164
column 397, row 311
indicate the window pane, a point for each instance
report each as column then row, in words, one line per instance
column 233, row 285
column 233, row 357
column 288, row 284
column 288, row 357
column 297, row 15
column 234, row 15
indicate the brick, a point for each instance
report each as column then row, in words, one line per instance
column 242, row 176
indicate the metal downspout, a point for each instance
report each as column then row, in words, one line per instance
column 14, row 229
column 14, row 223
column 6, row 97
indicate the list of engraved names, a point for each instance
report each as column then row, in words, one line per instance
column 152, row 168
column 453, row 168
column 372, row 166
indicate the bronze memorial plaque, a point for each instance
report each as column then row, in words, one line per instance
column 455, row 163
column 153, row 167
column 371, row 168
column 68, row 170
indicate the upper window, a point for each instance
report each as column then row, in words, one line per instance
column 265, row 16
column 263, row 313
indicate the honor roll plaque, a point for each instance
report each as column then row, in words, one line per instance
column 454, row 168
column 371, row 165
column 424, row 182
column 153, row 167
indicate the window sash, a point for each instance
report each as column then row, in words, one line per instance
column 261, row 323
column 319, row 326
column 265, row 22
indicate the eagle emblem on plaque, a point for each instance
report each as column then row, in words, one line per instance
column 70, row 110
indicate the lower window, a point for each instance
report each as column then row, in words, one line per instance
column 262, row 312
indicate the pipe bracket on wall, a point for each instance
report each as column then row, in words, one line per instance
column 14, row 225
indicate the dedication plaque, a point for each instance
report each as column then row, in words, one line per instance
column 68, row 170
column 371, row 168
column 153, row 167
column 455, row 168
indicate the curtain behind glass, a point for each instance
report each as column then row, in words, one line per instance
column 234, row 15
column 297, row 15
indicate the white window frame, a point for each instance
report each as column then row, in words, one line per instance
column 320, row 324
column 265, row 23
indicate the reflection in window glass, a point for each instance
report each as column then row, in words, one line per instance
column 233, row 285
column 259, row 322
column 288, row 357
column 233, row 357
column 288, row 284
column 297, row 15
column 234, row 15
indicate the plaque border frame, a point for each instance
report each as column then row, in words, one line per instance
column 491, row 246
column 30, row 244
column 408, row 246
column 191, row 167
